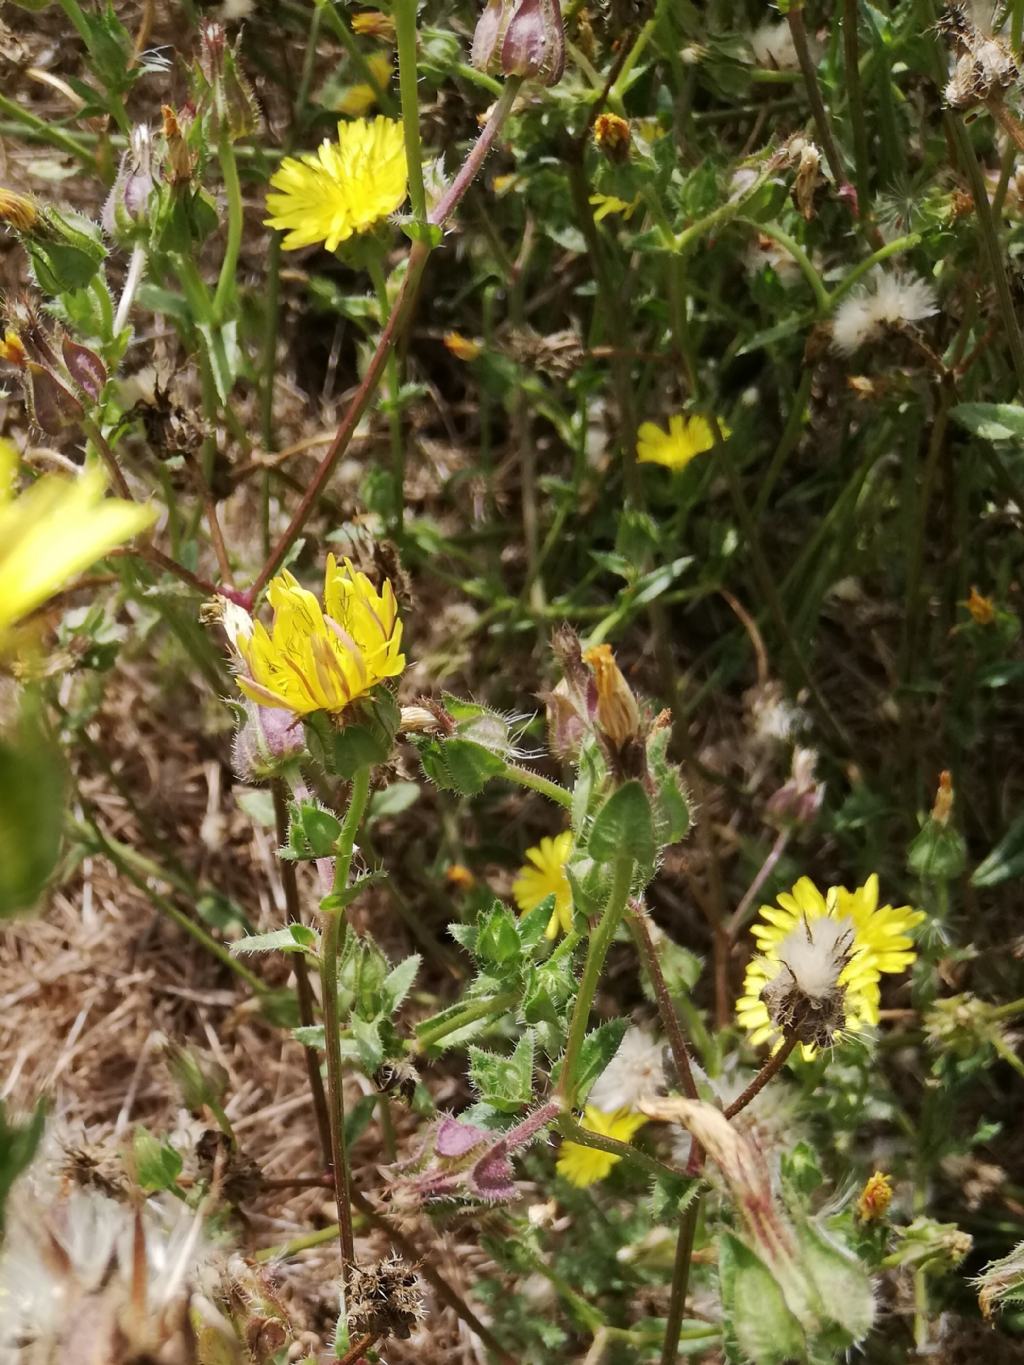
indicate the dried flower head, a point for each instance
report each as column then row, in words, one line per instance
column 1001, row 1281
column 982, row 609
column 618, row 713
column 984, row 66
column 321, row 658
column 820, row 960
column 534, row 42
column 771, row 45
column 890, row 300
column 17, row 211
column 345, row 187
column 799, row 799
column 384, row 1298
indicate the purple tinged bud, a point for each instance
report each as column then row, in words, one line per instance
column 534, row 45
column 456, row 1139
column 490, row 34
column 127, row 204
column 268, row 741
column 85, row 368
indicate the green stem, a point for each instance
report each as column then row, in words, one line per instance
column 48, row 133
column 855, row 94
column 405, row 33
column 572, row 1131
column 394, row 381
column 226, row 283
column 597, row 951
column 862, row 267
column 476, row 1009
column 524, row 778
column 333, row 941
column 680, row 1282
column 800, row 259
column 139, row 870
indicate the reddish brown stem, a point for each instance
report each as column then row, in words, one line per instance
column 354, row 1352
column 771, row 1068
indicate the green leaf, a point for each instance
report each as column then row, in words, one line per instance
column 18, row 1144
column 223, row 353
column 310, row 1035
column 313, row 832
column 293, row 938
column 504, row 1082
column 599, row 1047
column 839, row 1277
column 31, row 817
column 991, row 421
column 497, row 937
column 460, row 765
column 624, row 825
column 157, row 1164
column 757, row 1317
column 1006, row 860
column 366, row 1035
column 392, row 800
column 257, row 804
column 398, row 982
column 358, row 1116
column 431, row 234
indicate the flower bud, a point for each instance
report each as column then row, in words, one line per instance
column 85, row 368
column 223, row 90
column 17, row 211
column 981, row 608
column 128, row 202
column 490, row 34
column 181, row 160
column 875, row 1198
column 612, row 137
column 266, row 742
column 534, row 45
column 799, row 799
column 617, row 711
column 939, row 852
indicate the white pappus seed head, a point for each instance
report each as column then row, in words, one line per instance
column 814, row 954
column 889, row 300
column 635, row 1073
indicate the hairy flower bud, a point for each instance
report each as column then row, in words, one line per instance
column 128, row 202
column 181, row 160
column 17, row 211
column 268, row 741
column 617, row 711
column 875, row 1198
column 534, row 45
column 612, row 137
column 490, row 34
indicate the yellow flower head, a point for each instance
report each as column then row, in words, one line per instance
column 345, row 187
column 875, row 1198
column 982, row 609
column 54, row 530
column 686, row 438
column 543, row 875
column 462, row 348
column 17, row 210
column 360, row 99
column 871, row 939
column 373, row 24
column 582, row 1166
column 321, row 658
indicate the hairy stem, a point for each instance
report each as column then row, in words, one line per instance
column 597, row 951
column 524, row 778
column 771, row 1068
column 330, row 955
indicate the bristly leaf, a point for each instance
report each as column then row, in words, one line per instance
column 293, row 938
column 624, row 825
column 504, row 1082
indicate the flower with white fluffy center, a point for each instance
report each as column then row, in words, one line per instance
column 772, row 46
column 635, row 1073
column 889, row 300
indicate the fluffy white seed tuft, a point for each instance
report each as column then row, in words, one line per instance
column 890, row 300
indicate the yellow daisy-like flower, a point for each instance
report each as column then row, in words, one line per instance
column 321, row 658
column 343, row 188
column 878, row 938
column 686, row 438
column 55, row 529
column 543, row 875
column 583, row 1166
column 604, row 204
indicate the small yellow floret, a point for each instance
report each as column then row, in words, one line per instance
column 583, row 1166
column 543, row 875
column 321, row 658
column 875, row 1198
column 345, row 187
column 686, row 438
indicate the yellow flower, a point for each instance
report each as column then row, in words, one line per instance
column 463, row 348
column 878, row 941
column 982, row 609
column 605, row 204
column 345, row 187
column 373, row 24
column 582, row 1166
column 17, row 210
column 321, row 659
column 875, row 1198
column 686, row 437
column 360, row 99
column 54, row 530
column 543, row 875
